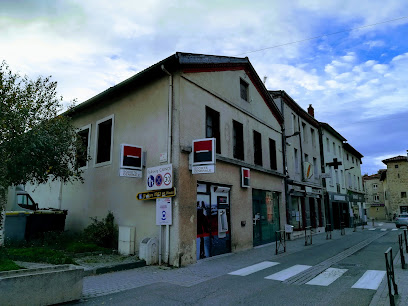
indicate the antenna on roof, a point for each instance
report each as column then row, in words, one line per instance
column 264, row 81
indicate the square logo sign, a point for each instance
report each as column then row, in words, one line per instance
column 131, row 157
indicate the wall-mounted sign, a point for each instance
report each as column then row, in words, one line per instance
column 204, row 151
column 151, row 195
column 131, row 157
column 245, row 177
column 308, row 170
column 130, row 173
column 163, row 211
column 203, row 169
column 160, row 177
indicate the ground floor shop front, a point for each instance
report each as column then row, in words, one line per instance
column 305, row 208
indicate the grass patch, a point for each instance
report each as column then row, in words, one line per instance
column 7, row 264
column 39, row 254
column 84, row 247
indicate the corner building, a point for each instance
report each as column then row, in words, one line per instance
column 163, row 109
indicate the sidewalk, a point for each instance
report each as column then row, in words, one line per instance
column 203, row 270
column 381, row 297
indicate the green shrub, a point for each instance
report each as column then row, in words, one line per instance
column 103, row 233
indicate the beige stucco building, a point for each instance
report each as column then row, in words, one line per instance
column 374, row 196
column 395, row 182
column 163, row 109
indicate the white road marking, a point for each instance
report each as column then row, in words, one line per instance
column 380, row 224
column 372, row 229
column 287, row 273
column 383, row 229
column 371, row 279
column 395, row 229
column 254, row 268
column 327, row 277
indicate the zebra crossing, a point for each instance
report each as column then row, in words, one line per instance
column 371, row 279
column 382, row 229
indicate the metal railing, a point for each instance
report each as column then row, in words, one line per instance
column 401, row 251
column 308, row 237
column 342, row 228
column 390, row 276
column 328, row 231
column 280, row 240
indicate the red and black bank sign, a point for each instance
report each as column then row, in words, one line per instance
column 245, row 177
column 204, row 151
column 131, row 157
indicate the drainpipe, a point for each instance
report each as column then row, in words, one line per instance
column 169, row 143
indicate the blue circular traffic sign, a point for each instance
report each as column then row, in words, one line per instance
column 159, row 180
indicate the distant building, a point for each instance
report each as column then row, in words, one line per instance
column 335, row 194
column 395, row 182
column 374, row 196
column 302, row 147
column 354, row 183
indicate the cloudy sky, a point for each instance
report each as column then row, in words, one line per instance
column 347, row 58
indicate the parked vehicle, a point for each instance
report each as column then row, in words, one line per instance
column 402, row 220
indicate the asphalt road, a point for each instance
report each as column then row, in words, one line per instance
column 255, row 289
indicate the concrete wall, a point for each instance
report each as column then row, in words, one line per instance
column 41, row 286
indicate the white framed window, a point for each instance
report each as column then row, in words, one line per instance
column 104, row 141
column 376, row 198
column 334, row 148
column 84, row 135
column 327, row 144
column 375, row 186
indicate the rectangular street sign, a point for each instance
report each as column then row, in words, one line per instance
column 203, row 169
column 160, row 177
column 130, row 173
column 151, row 195
column 163, row 211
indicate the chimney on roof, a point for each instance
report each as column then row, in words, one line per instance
column 310, row 110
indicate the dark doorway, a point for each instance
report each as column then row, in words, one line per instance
column 265, row 205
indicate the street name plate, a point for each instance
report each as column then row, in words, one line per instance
column 130, row 173
column 155, row 194
column 203, row 169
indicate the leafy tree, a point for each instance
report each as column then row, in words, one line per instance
column 37, row 144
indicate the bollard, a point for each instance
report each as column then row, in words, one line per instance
column 389, row 265
column 328, row 231
column 401, row 251
column 372, row 221
column 280, row 242
column 354, row 226
column 342, row 228
column 308, row 238
column 406, row 244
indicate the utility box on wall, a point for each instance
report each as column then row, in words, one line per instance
column 127, row 236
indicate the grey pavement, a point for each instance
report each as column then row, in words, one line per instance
column 381, row 297
column 217, row 266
